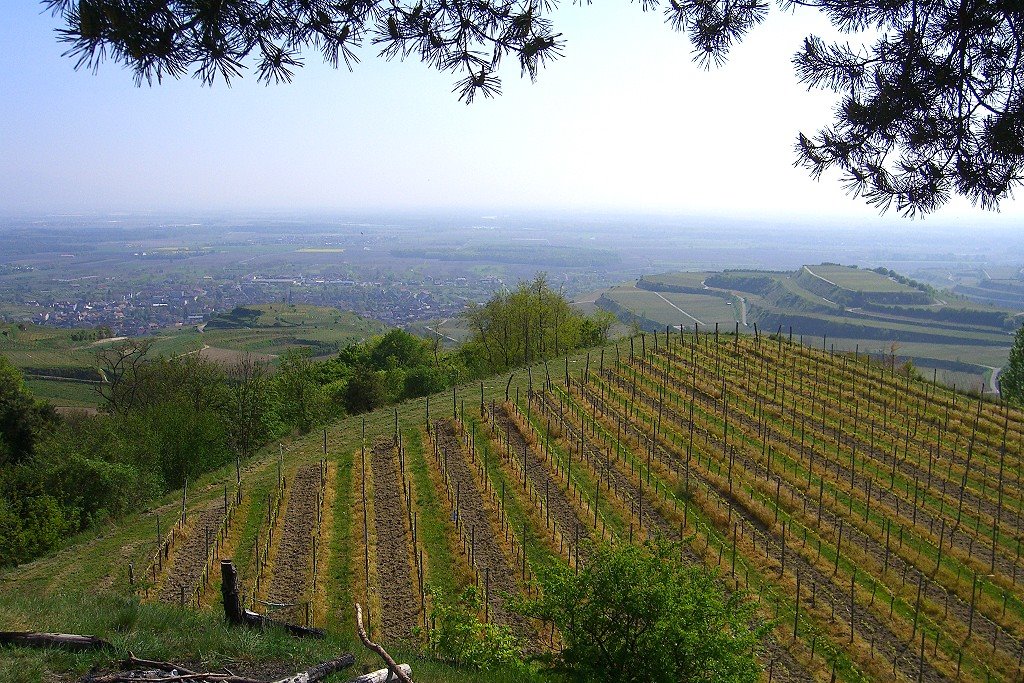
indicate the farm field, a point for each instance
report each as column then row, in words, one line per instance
column 692, row 280
column 675, row 308
column 876, row 519
column 272, row 329
column 857, row 279
column 69, row 394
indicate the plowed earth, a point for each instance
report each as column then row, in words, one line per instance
column 190, row 555
column 399, row 602
column 474, row 515
column 292, row 563
column 560, row 509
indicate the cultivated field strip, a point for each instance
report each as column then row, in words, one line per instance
column 563, row 518
column 476, row 520
column 645, row 520
column 397, row 576
column 265, row 541
column 188, row 561
column 289, row 593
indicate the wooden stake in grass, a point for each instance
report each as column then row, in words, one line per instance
column 796, row 613
column 970, row 620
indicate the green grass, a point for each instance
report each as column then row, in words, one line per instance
column 433, row 520
column 859, row 279
column 200, row 640
column 177, row 343
column 339, row 586
column 65, row 394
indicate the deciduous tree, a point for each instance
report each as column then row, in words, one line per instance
column 1011, row 380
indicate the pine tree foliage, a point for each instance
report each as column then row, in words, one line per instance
column 931, row 108
column 931, row 90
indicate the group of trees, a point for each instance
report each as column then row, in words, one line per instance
column 166, row 420
column 636, row 614
column 512, row 329
column 524, row 326
column 163, row 421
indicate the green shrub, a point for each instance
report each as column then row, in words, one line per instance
column 458, row 635
column 635, row 614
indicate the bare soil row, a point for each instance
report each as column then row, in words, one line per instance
column 292, row 563
column 190, row 554
column 396, row 572
column 472, row 517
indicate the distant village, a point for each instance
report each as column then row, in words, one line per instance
column 95, row 301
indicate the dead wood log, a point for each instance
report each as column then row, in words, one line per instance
column 238, row 616
column 392, row 665
column 320, row 671
column 380, row 675
column 176, row 673
column 66, row 641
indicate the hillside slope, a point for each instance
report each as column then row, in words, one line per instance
column 874, row 517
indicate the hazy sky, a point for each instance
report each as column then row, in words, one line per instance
column 624, row 122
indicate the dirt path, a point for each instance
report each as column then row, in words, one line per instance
column 395, row 574
column 292, row 563
column 190, row 555
column 474, row 519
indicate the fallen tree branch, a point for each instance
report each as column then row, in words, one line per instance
column 179, row 674
column 134, row 662
column 67, row 641
column 380, row 675
column 392, row 665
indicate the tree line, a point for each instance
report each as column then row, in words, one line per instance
column 164, row 420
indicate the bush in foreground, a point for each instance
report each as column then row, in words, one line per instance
column 636, row 613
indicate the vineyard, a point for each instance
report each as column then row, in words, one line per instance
column 873, row 517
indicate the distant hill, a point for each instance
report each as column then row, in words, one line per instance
column 274, row 328
column 959, row 339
